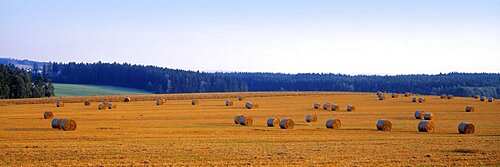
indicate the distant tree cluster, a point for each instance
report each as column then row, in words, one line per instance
column 164, row 80
column 16, row 83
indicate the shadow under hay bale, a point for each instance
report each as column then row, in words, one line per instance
column 426, row 126
column 246, row 121
column 273, row 122
column 237, row 119
column 48, row 115
column 350, row 108
column 287, row 123
column 59, row 103
column 229, row 102
column 333, row 124
column 428, row 116
column 311, row 118
column 466, row 128
column 316, row 105
column 384, row 125
column 469, row 109
column 335, row 107
column 86, row 103
column 127, row 99
column 419, row 114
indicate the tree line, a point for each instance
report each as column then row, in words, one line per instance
column 16, row 83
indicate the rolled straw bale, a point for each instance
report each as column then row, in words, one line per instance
column 466, row 128
column 469, row 109
column 86, row 102
column 68, row 125
column 414, row 99
column 394, row 95
column 59, row 103
column 55, row 122
column 426, row 126
column 381, row 97
column 482, row 98
column 127, row 99
column 476, row 97
column 286, row 124
column 491, row 99
column 59, row 122
column 327, row 106
column 160, row 101
column 240, row 98
column 48, row 115
column 444, row 96
column 335, row 107
column 237, row 119
column 316, row 105
column 246, row 121
column 379, row 93
column 450, row 97
column 273, row 122
column 333, row 123
column 384, row 125
column 229, row 102
column 102, row 106
column 194, row 102
column 419, row 114
column 428, row 116
column 351, row 108
column 407, row 94
column 421, row 100
column 311, row 118
column 111, row 106
column 251, row 105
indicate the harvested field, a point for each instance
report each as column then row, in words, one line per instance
column 178, row 133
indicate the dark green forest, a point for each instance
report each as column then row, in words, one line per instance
column 16, row 83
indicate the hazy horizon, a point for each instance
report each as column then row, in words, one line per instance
column 355, row 37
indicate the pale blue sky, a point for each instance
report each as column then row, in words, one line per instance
column 352, row 37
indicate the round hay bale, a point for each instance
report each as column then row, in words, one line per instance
column 350, row 108
column 482, row 98
column 407, row 94
column 240, row 98
column 251, row 105
column 316, row 105
column 414, row 99
column 102, row 106
column 333, row 123
column 421, row 100
column 55, row 122
column 384, row 125
column 111, row 106
column 335, row 107
column 444, row 96
column 237, row 119
column 466, row 128
column 394, row 95
column 246, row 121
column 59, row 103
column 273, row 122
column 59, row 122
column 381, row 97
column 86, row 103
column 419, row 114
column 477, row 97
column 286, row 123
column 469, row 109
column 311, row 118
column 450, row 97
column 68, row 125
column 229, row 102
column 426, row 126
column 379, row 93
column 48, row 115
column 127, row 99
column 491, row 99
column 428, row 116
column 327, row 106
column 194, row 102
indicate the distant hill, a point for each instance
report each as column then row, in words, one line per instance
column 62, row 90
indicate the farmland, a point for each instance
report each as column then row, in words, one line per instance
column 62, row 90
column 178, row 133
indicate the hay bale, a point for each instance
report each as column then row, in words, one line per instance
column 482, row 98
column 111, row 106
column 273, row 122
column 407, row 94
column 469, row 109
column 421, row 100
column 160, row 101
column 86, row 103
column 286, row 123
column 428, row 116
column 394, row 95
column 426, row 126
column 466, row 128
column 450, row 97
column 381, row 97
column 477, row 97
column 491, row 99
column 327, row 106
column 246, row 121
column 58, row 123
column 229, row 102
column 444, row 96
column 48, row 115
column 127, row 99
column 384, row 125
column 316, row 105
column 240, row 98
column 333, row 123
column 419, row 114
column 311, row 118
column 237, row 119
column 194, row 102
column 102, row 106
column 55, row 123
column 59, row 103
column 350, row 108
column 335, row 107
column 414, row 99
column 379, row 93
column 251, row 105
column 68, row 125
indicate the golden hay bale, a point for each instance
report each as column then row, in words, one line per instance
column 394, row 95
column 311, row 118
column 333, row 123
column 407, row 94
column 335, row 107
column 229, row 102
column 86, row 102
column 381, row 97
column 127, row 99
column 251, row 105
column 414, row 99
column 58, row 123
column 491, row 99
column 469, row 109
column 379, row 93
column 450, row 97
column 384, row 125
column 350, row 108
column 102, row 106
column 160, row 101
column 273, row 122
column 419, row 114
column 466, row 128
column 327, row 106
column 246, row 121
column 68, row 125
column 482, row 98
column 59, row 103
column 477, row 97
column 428, row 116
column 286, row 123
column 421, row 100
column 316, row 105
column 55, row 123
column 48, row 115
column 194, row 102
column 426, row 126
column 237, row 119
column 111, row 106
column 240, row 98
column 444, row 96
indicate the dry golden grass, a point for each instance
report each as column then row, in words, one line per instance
column 178, row 133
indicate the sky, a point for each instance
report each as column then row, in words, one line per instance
column 292, row 36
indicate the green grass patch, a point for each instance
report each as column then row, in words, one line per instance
column 93, row 90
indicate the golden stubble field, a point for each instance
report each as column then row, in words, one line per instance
column 178, row 133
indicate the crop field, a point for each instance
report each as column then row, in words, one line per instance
column 177, row 133
column 62, row 90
